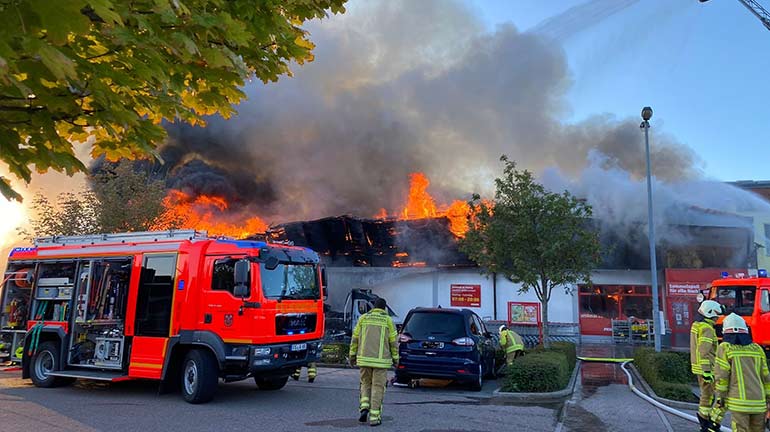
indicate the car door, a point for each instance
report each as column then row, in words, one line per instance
column 486, row 345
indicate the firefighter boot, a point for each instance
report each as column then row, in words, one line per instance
column 364, row 416
column 704, row 423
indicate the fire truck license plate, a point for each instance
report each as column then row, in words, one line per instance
column 299, row 347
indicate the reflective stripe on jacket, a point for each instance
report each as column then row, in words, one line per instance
column 742, row 378
column 374, row 340
column 511, row 341
column 703, row 346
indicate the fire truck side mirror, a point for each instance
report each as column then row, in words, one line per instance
column 324, row 283
column 272, row 263
column 241, row 276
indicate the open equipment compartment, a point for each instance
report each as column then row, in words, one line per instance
column 98, row 324
column 14, row 305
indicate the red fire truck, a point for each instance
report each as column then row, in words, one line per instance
column 174, row 306
column 748, row 297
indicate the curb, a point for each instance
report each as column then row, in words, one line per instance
column 647, row 389
column 556, row 396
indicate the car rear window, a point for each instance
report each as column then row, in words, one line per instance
column 439, row 325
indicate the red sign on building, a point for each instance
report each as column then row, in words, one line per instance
column 465, row 295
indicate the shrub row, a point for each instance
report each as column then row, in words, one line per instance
column 668, row 373
column 541, row 369
column 335, row 353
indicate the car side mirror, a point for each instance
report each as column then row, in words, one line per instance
column 271, row 263
column 241, row 279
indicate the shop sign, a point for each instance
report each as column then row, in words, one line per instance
column 465, row 295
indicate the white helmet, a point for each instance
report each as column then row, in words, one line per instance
column 734, row 324
column 710, row 309
column 502, row 327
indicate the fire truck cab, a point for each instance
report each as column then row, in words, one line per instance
column 748, row 297
column 174, row 306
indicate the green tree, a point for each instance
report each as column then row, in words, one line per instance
column 108, row 72
column 129, row 198
column 532, row 236
column 72, row 214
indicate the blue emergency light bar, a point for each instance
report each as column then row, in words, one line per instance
column 762, row 273
column 725, row 275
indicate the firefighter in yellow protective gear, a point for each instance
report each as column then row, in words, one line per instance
column 512, row 343
column 374, row 349
column 312, row 371
column 742, row 377
column 703, row 347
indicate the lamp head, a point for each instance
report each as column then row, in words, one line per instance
column 646, row 113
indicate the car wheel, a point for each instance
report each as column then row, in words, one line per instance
column 476, row 385
column 45, row 361
column 403, row 379
column 200, row 376
column 271, row 383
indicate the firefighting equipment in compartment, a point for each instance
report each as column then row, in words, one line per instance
column 710, row 309
column 17, row 311
column 373, row 347
column 19, row 352
column 734, row 324
column 742, row 377
column 23, row 278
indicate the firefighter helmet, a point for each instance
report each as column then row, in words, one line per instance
column 502, row 327
column 710, row 309
column 734, row 324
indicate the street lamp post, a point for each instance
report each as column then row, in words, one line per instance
column 646, row 116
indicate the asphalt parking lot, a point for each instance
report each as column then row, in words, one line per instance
column 328, row 404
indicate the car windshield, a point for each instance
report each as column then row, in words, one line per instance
column 435, row 326
column 738, row 299
column 290, row 282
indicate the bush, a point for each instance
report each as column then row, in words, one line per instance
column 568, row 349
column 335, row 353
column 538, row 372
column 668, row 373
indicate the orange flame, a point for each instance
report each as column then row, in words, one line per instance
column 205, row 213
column 420, row 205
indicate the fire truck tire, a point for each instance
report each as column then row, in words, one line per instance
column 46, row 360
column 200, row 376
column 271, row 383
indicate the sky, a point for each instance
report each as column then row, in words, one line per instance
column 699, row 65
column 702, row 67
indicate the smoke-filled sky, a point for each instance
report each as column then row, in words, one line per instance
column 446, row 87
column 391, row 92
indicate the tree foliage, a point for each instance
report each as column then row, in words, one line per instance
column 120, row 199
column 71, row 214
column 532, row 236
column 108, row 72
column 129, row 199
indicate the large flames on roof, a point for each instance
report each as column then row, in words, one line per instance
column 420, row 205
column 212, row 213
column 206, row 213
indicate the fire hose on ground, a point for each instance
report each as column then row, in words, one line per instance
column 623, row 362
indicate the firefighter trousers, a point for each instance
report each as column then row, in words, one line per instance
column 706, row 397
column 743, row 422
column 511, row 356
column 372, row 390
column 312, row 371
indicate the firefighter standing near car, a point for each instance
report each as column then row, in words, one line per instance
column 703, row 347
column 312, row 371
column 742, row 377
column 374, row 350
column 511, row 342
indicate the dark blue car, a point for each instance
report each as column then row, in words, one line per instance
column 445, row 344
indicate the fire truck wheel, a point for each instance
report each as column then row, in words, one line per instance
column 45, row 361
column 200, row 376
column 271, row 383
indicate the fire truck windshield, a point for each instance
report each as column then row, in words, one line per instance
column 738, row 299
column 290, row 281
